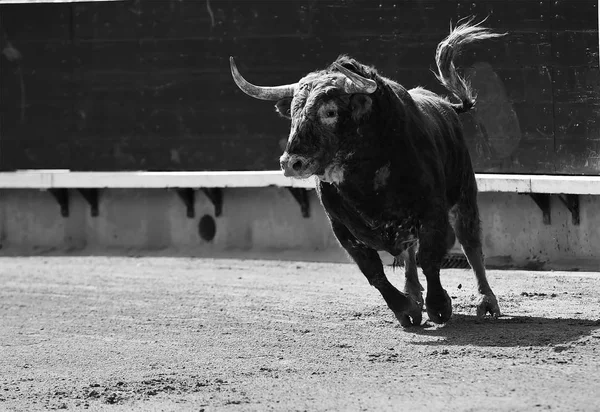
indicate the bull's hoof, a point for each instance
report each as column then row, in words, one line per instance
column 439, row 307
column 411, row 317
column 414, row 315
column 488, row 304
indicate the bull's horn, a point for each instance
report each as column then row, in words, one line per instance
column 358, row 83
column 260, row 92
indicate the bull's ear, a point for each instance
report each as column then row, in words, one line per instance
column 361, row 105
column 283, row 107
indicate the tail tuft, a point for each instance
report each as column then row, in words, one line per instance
column 449, row 49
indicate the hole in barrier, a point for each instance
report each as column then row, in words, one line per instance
column 207, row 227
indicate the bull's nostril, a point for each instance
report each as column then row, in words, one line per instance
column 297, row 165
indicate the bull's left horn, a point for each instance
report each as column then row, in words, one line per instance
column 358, row 83
column 260, row 92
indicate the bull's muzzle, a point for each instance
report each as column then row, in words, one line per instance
column 293, row 165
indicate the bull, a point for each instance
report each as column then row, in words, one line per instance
column 394, row 171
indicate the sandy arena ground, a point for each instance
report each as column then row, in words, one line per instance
column 181, row 334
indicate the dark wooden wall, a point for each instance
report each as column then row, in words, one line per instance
column 145, row 84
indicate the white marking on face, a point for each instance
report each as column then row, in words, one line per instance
column 328, row 113
column 292, row 133
column 295, row 126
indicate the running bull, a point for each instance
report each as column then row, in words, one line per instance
column 394, row 172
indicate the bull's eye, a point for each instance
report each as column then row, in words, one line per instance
column 328, row 113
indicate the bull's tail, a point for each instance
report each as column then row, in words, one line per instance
column 448, row 50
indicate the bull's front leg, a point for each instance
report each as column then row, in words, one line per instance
column 406, row 310
column 412, row 286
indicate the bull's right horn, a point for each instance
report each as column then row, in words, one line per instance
column 359, row 84
column 261, row 92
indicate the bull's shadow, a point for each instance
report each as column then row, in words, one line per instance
column 509, row 331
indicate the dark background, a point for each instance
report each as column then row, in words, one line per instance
column 145, row 85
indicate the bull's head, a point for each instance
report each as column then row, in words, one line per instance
column 325, row 108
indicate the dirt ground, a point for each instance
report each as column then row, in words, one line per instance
column 182, row 334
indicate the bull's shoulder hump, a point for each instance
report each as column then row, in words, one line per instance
column 427, row 99
column 421, row 92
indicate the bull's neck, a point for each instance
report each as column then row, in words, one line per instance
column 364, row 184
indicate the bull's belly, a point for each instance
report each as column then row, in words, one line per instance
column 390, row 237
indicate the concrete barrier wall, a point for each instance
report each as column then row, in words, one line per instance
column 513, row 230
column 267, row 223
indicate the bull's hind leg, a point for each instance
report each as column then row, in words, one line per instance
column 433, row 236
column 370, row 265
column 467, row 227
